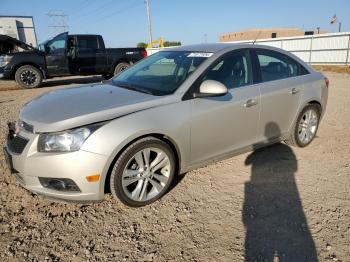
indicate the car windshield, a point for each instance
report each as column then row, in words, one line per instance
column 162, row 73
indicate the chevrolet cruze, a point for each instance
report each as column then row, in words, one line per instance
column 177, row 110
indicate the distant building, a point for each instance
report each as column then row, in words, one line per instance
column 19, row 27
column 252, row 34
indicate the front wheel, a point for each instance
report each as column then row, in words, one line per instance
column 306, row 126
column 143, row 172
column 28, row 76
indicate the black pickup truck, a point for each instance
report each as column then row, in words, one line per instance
column 63, row 55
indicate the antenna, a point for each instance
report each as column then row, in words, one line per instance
column 257, row 35
column 58, row 22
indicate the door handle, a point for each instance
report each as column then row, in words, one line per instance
column 294, row 91
column 250, row 103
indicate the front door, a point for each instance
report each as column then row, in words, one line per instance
column 56, row 55
column 221, row 125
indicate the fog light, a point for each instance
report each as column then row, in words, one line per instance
column 59, row 184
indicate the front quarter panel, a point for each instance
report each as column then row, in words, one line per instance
column 172, row 120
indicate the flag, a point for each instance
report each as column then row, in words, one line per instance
column 334, row 19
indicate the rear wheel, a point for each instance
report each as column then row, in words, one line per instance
column 143, row 172
column 120, row 68
column 28, row 76
column 306, row 126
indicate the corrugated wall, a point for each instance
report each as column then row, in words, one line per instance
column 324, row 49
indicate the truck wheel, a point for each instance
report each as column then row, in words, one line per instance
column 28, row 76
column 120, row 68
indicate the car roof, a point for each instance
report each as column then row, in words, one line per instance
column 222, row 47
column 212, row 47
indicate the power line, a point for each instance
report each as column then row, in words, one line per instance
column 132, row 5
column 97, row 11
column 58, row 22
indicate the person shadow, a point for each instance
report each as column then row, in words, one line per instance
column 276, row 226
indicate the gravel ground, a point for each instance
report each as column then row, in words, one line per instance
column 281, row 202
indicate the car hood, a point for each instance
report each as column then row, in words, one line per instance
column 14, row 41
column 78, row 106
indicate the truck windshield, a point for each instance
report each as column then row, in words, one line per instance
column 161, row 73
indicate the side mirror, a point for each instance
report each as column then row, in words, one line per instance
column 211, row 88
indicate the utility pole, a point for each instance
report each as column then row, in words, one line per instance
column 58, row 22
column 149, row 22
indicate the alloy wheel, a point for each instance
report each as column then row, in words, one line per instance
column 308, row 126
column 146, row 174
column 28, row 77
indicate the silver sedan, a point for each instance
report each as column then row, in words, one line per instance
column 177, row 110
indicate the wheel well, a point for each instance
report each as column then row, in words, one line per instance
column 162, row 137
column 28, row 63
column 314, row 102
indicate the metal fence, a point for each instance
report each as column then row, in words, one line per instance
column 324, row 49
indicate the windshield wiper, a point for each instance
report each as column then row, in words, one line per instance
column 131, row 87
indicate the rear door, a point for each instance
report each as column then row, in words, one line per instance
column 90, row 55
column 224, row 124
column 280, row 93
column 56, row 55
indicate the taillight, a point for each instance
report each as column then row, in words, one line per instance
column 144, row 53
column 326, row 81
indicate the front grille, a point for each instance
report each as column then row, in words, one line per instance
column 17, row 144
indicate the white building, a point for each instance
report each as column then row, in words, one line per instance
column 19, row 27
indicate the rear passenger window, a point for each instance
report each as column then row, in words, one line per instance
column 233, row 70
column 274, row 66
column 87, row 42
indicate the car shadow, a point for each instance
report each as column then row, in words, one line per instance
column 70, row 81
column 276, row 226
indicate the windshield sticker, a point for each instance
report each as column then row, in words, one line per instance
column 200, row 55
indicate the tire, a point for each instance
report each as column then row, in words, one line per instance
column 28, row 76
column 120, row 68
column 309, row 125
column 134, row 181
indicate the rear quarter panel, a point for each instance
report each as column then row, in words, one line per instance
column 315, row 89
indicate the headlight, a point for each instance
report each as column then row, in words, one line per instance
column 4, row 60
column 63, row 142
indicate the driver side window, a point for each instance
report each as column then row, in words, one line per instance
column 57, row 46
column 233, row 70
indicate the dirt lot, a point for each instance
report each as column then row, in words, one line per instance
column 279, row 202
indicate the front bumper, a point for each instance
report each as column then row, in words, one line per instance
column 6, row 72
column 29, row 165
column 1, row 72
